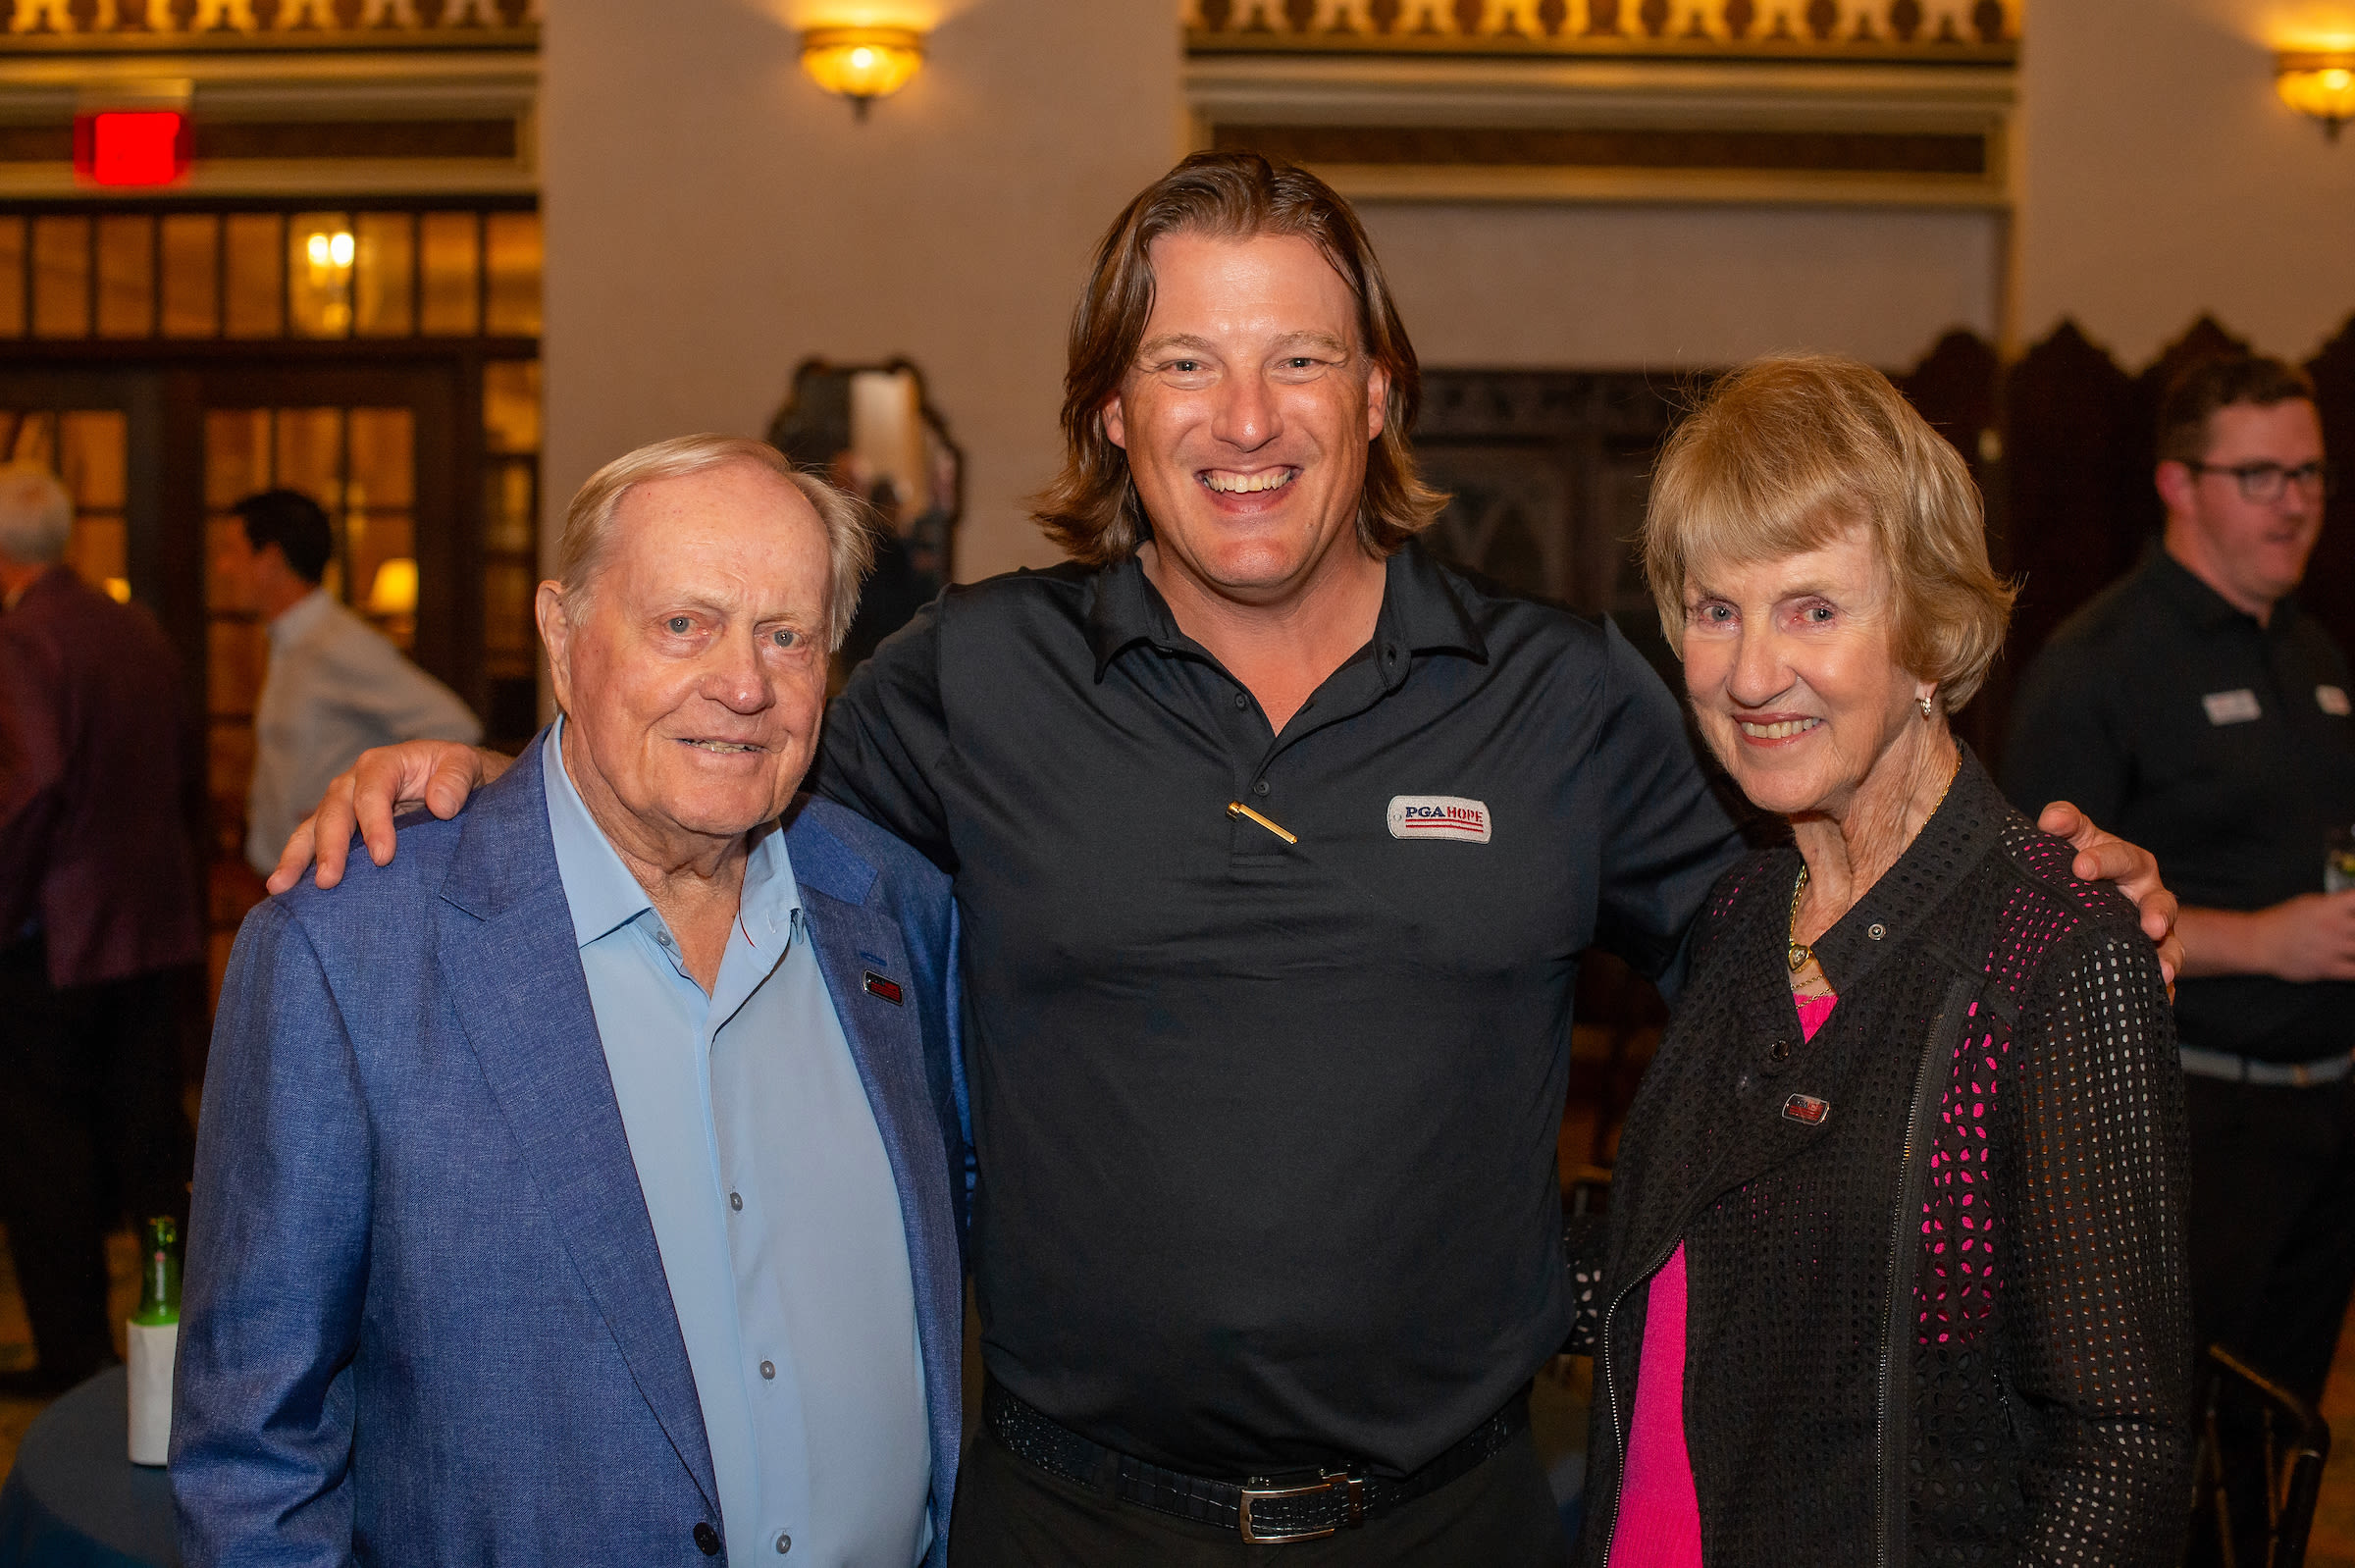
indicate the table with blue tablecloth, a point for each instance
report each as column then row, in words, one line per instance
column 76, row 1500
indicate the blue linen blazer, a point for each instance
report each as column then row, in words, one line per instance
column 424, row 1318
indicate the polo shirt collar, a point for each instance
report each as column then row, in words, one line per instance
column 2205, row 608
column 603, row 894
column 1421, row 613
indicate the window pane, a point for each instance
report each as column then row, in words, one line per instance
column 256, row 292
column 382, row 444
column 239, row 654
column 508, row 641
column 236, row 454
column 310, row 454
column 126, row 276
column 98, row 552
column 508, row 509
column 191, row 275
column 90, row 458
column 511, row 405
column 511, row 253
column 61, row 277
column 447, row 243
column 321, row 253
column 387, row 269
column 12, row 276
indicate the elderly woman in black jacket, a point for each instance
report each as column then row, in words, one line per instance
column 1894, row 1266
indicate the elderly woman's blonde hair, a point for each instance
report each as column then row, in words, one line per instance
column 1787, row 454
column 589, row 521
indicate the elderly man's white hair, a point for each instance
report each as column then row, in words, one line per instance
column 36, row 515
column 589, row 522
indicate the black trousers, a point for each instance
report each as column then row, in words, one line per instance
column 1011, row 1515
column 91, row 1133
column 2273, row 1223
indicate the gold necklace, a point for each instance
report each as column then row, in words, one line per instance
column 1801, row 954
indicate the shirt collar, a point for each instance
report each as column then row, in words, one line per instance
column 2204, row 606
column 603, row 894
column 1421, row 613
column 300, row 618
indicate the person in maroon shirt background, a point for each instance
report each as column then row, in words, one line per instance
column 100, row 929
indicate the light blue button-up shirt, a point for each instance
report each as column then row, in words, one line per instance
column 772, row 1203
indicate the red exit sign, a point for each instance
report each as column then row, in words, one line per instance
column 131, row 146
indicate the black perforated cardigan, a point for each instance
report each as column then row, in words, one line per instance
column 1937, row 1309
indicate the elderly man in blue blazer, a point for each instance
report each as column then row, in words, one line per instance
column 577, row 1189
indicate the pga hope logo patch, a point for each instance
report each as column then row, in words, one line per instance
column 1441, row 817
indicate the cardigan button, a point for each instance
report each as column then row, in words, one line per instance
column 1780, row 1051
column 707, row 1539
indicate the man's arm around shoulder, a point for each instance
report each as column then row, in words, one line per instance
column 263, row 1407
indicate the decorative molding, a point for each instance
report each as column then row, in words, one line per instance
column 1841, row 102
column 214, row 25
column 1943, row 31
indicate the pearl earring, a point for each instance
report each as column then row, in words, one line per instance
column 1925, row 706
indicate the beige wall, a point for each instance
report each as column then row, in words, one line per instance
column 713, row 218
column 1637, row 287
column 2162, row 177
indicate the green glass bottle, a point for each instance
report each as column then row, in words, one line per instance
column 159, row 1274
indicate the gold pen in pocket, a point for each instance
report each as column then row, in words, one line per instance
column 1238, row 808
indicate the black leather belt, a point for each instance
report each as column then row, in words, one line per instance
column 1307, row 1505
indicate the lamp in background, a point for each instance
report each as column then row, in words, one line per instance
column 862, row 64
column 394, row 593
column 2318, row 83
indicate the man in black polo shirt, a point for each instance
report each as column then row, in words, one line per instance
column 1277, row 844
column 2196, row 708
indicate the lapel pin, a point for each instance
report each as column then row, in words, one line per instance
column 1807, row 1110
column 888, row 990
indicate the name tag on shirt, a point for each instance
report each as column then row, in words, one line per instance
column 2331, row 699
column 2233, row 708
column 1446, row 817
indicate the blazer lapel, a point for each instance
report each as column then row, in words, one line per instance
column 514, row 973
column 881, row 1024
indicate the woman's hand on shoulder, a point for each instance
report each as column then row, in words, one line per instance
column 384, row 782
column 2106, row 857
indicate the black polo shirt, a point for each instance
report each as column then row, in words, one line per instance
column 2222, row 747
column 1267, row 1130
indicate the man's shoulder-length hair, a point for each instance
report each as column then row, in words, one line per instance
column 1091, row 510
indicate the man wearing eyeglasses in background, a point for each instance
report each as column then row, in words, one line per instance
column 2197, row 710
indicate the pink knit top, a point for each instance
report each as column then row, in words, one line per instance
column 1660, row 1520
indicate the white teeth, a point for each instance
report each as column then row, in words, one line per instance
column 1778, row 732
column 1245, row 483
column 724, row 746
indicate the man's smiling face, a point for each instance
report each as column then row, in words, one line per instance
column 1247, row 412
column 691, row 668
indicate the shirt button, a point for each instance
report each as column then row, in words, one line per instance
column 768, row 1369
column 1876, row 930
column 1242, row 699
column 784, row 1544
column 663, row 937
column 735, row 1200
column 1260, row 788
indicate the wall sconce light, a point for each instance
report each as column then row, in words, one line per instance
column 862, row 64
column 2319, row 84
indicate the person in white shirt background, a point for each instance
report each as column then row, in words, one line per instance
column 336, row 685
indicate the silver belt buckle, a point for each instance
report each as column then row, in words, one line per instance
column 1325, row 1482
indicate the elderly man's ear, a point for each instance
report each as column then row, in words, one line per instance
column 555, row 635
